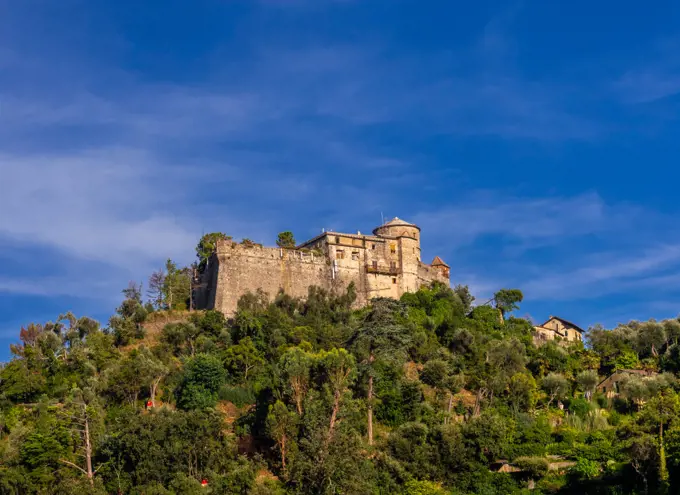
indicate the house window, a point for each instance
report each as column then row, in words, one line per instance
column 337, row 240
column 340, row 254
column 394, row 280
column 372, row 246
column 355, row 255
column 375, row 265
column 393, row 248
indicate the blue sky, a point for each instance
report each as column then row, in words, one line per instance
column 535, row 143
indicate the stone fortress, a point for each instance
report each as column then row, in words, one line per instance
column 385, row 264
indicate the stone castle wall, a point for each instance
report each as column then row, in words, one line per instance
column 387, row 264
column 237, row 269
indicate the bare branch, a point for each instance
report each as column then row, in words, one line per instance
column 69, row 463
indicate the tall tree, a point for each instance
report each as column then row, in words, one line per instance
column 177, row 286
column 282, row 426
column 295, row 366
column 286, row 240
column 339, row 369
column 381, row 337
column 507, row 300
column 207, row 246
column 80, row 412
column 155, row 290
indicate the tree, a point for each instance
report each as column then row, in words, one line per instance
column 286, row 240
column 295, row 366
column 177, row 286
column 207, row 246
column 133, row 292
column 243, row 358
column 339, row 368
column 463, row 291
column 382, row 337
column 522, row 392
column 587, row 381
column 414, row 487
column 556, row 386
column 662, row 410
column 153, row 371
column 507, row 300
column 80, row 412
column 155, row 289
column 181, row 336
column 282, row 427
column 203, row 376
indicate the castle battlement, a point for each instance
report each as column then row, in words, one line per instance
column 227, row 248
column 384, row 264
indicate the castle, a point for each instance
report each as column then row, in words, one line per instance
column 385, row 264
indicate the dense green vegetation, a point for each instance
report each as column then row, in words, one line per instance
column 427, row 395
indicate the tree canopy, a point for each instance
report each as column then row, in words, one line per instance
column 423, row 395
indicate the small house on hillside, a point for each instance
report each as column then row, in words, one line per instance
column 557, row 327
column 610, row 385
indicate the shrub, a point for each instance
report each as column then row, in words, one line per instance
column 585, row 469
column 535, row 467
column 239, row 396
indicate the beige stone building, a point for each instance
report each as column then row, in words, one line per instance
column 384, row 264
column 611, row 385
column 557, row 327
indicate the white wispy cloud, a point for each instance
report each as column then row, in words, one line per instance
column 654, row 78
column 530, row 219
column 127, row 171
column 609, row 273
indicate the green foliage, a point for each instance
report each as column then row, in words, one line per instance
column 207, row 246
column 507, row 300
column 585, row 469
column 243, row 360
column 556, row 387
column 239, row 396
column 286, row 240
column 300, row 387
column 534, row 467
column 176, row 287
column 414, row 487
column 204, row 375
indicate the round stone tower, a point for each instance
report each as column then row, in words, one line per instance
column 404, row 251
column 398, row 228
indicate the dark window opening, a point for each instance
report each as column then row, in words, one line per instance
column 375, row 265
column 394, row 280
column 337, row 240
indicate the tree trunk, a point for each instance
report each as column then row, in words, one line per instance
column 283, row 452
column 88, row 452
column 449, row 408
column 334, row 414
column 298, row 401
column 370, row 410
column 152, row 391
column 663, row 468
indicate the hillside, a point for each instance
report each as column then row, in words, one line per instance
column 426, row 395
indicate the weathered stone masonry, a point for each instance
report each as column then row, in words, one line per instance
column 385, row 264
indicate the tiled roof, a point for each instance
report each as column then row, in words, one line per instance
column 566, row 322
column 437, row 261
